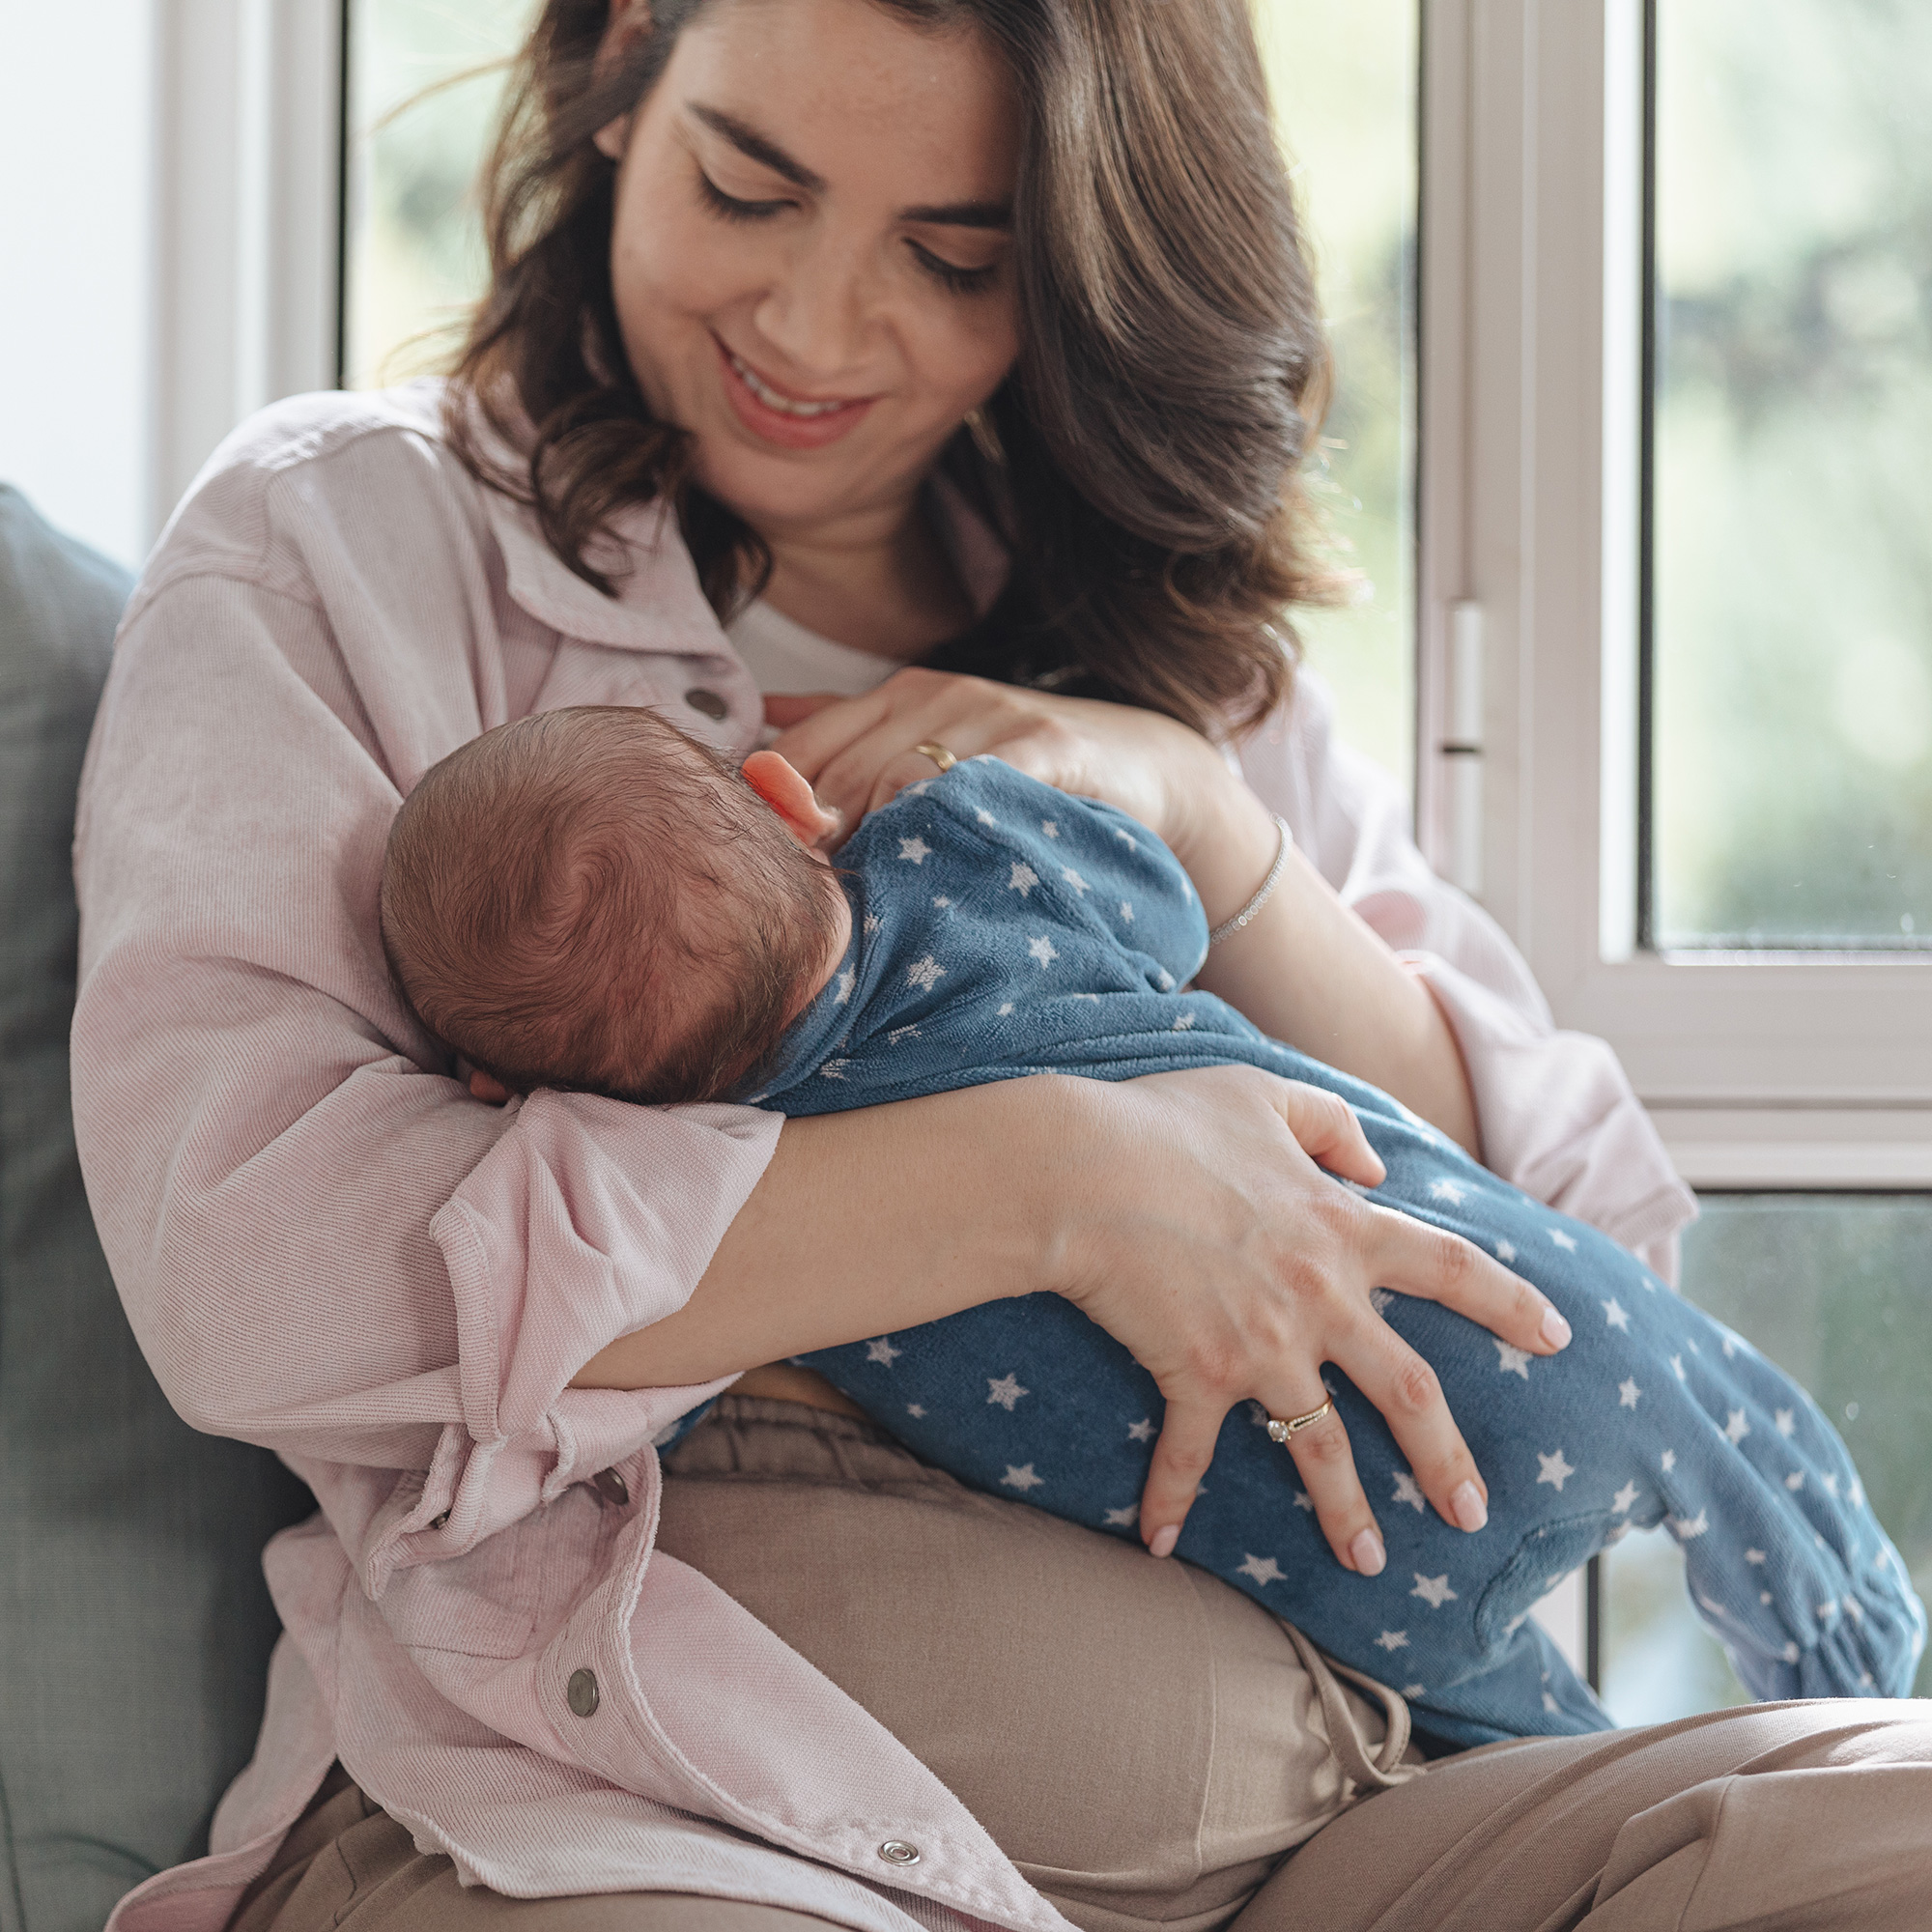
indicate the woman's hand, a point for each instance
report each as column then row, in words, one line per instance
column 1217, row 1251
column 857, row 753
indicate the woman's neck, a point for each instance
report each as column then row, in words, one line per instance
column 882, row 583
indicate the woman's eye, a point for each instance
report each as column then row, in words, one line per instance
column 731, row 208
column 951, row 276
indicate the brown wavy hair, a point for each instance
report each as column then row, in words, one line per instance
column 1173, row 360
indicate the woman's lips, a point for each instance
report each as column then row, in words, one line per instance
column 793, row 422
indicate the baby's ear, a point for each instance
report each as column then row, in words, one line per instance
column 782, row 787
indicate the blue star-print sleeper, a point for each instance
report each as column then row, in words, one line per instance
column 1001, row 929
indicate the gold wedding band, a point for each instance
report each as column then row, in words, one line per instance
column 939, row 755
column 1280, row 1428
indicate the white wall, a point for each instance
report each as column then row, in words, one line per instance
column 76, row 160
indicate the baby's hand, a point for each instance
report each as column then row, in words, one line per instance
column 487, row 1088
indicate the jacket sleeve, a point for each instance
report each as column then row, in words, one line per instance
column 1557, row 1114
column 324, row 1244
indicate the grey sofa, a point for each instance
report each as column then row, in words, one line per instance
column 134, row 1626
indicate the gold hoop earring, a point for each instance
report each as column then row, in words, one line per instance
column 985, row 437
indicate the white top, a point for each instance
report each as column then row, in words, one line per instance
column 783, row 656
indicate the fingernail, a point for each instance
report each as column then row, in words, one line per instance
column 1367, row 1551
column 1472, row 1512
column 1164, row 1541
column 1555, row 1330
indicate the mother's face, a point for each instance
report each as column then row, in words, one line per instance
column 810, row 251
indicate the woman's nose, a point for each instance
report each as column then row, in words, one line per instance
column 819, row 312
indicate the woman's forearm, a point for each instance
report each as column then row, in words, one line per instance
column 1310, row 971
column 864, row 1223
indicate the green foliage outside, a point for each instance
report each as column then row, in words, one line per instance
column 1794, row 490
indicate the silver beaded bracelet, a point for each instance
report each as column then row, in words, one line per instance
column 1229, row 926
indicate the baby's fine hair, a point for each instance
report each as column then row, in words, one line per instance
column 590, row 900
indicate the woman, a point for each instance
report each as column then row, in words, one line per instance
column 852, row 284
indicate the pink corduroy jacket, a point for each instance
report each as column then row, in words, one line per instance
column 326, row 1247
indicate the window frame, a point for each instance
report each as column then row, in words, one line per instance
column 1776, row 1071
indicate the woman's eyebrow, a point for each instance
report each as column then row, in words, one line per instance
column 755, row 147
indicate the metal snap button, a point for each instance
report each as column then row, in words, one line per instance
column 581, row 1693
column 897, row 1852
column 707, row 701
column 612, row 1486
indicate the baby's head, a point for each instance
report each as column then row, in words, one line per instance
column 590, row 900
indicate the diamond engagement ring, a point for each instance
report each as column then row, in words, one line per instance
column 1280, row 1428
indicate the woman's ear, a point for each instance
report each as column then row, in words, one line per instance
column 782, row 788
column 630, row 22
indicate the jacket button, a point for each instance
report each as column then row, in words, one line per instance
column 707, row 701
column 897, row 1852
column 612, row 1486
column 581, row 1693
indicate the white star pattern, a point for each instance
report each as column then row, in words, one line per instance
column 1757, row 1557
column 1730, row 1347
column 1124, row 1518
column 1021, row 1479
column 925, row 973
column 1827, row 1611
column 1142, row 1430
column 1407, row 1491
column 1551, row 1704
column 1506, row 1250
column 882, row 1352
column 1051, row 829
column 1042, row 949
column 1184, row 1024
column 1304, row 1501
column 1794, row 1480
column 1413, row 1690
column 1624, row 1499
column 1434, row 1591
column 1075, row 880
column 1128, row 839
column 1006, row 1391
column 1393, row 1641
column 1786, row 1420
column 916, row 1410
column 847, row 979
column 942, row 900
column 1379, row 1299
column 1448, row 1191
column 1736, row 1428
column 1628, row 1393
column 919, row 790
column 1790, row 1653
column 1513, row 1361
column 985, row 817
column 899, row 1034
column 914, row 851
column 1687, row 1527
column 1004, row 1009
column 1554, row 1471
column 834, row 1069
column 1567, row 1243
column 1831, row 1482
column 874, row 923
column 1263, row 1569
column 1615, row 1314
column 1023, row 880
column 1127, row 911
column 1668, row 1460
column 1677, row 1367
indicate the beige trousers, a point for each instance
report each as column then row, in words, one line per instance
column 1148, row 1745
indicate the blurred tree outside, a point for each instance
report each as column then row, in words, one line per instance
column 1793, row 525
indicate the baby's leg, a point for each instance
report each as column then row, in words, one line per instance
column 1653, row 1413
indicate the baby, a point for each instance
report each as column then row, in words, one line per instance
column 590, row 900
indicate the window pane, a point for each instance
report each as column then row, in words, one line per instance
column 1832, row 1288
column 1792, row 647
column 1344, row 75
column 425, row 81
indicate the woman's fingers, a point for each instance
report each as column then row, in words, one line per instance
column 1326, row 1465
column 1329, row 1132
column 1392, row 1376
column 1182, row 1453
column 1413, row 1258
